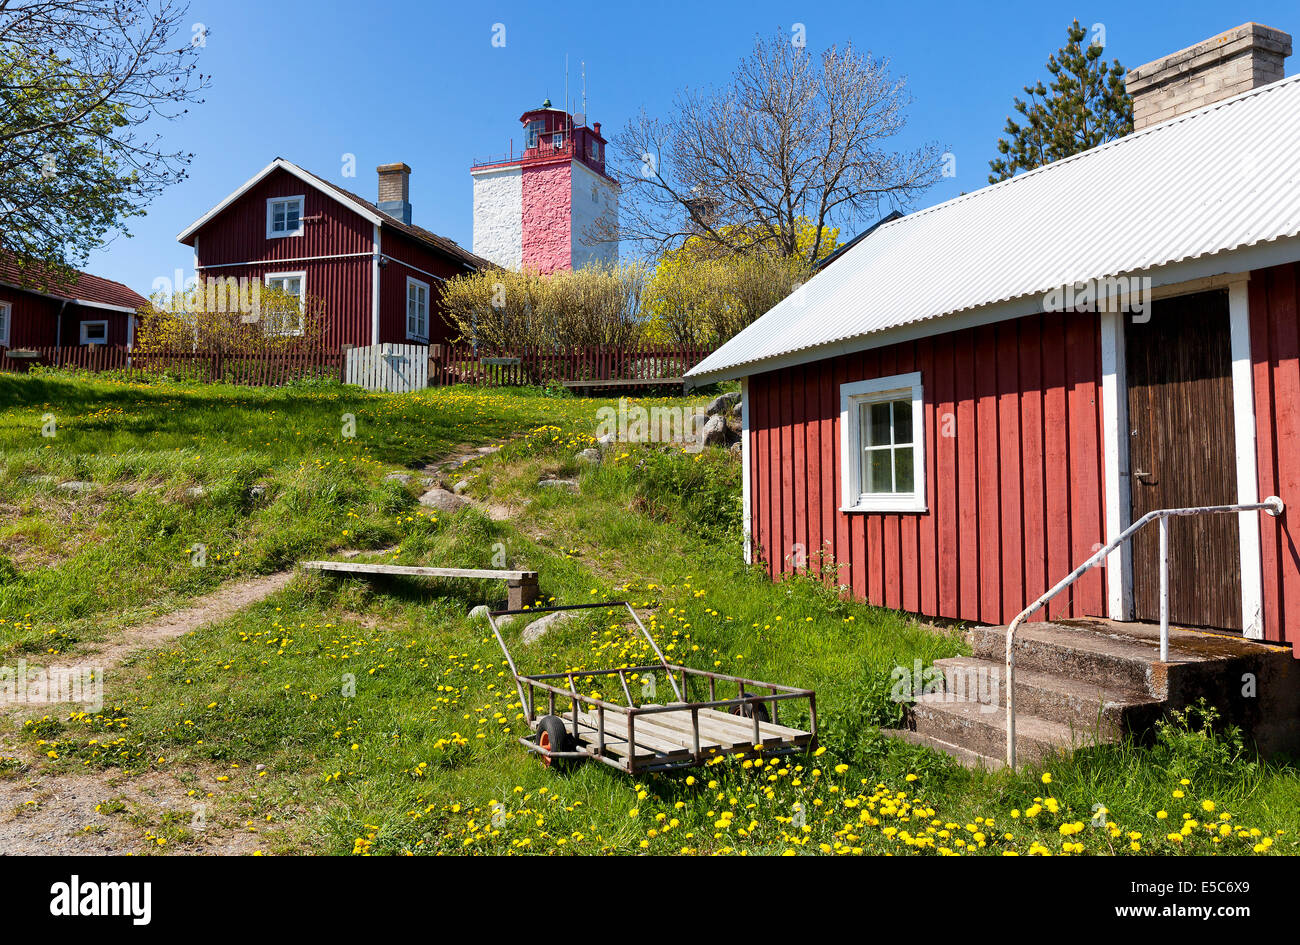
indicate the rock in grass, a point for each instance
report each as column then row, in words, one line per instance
column 461, row 486
column 722, row 403
column 403, row 478
column 479, row 613
column 77, row 485
column 540, row 628
column 441, row 500
column 715, row 432
column 607, row 442
column 196, row 492
column 569, row 484
column 589, row 457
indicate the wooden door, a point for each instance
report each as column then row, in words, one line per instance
column 1182, row 453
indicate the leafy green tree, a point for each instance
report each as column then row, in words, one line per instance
column 1085, row 105
column 83, row 86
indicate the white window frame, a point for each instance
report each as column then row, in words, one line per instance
column 301, row 276
column 6, row 316
column 852, row 397
column 91, row 341
column 428, row 304
column 272, row 234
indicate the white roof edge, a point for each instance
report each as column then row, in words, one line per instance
column 1233, row 261
column 934, row 312
column 278, row 164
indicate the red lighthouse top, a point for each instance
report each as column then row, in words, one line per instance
column 551, row 133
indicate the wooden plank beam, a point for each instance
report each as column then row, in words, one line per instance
column 360, row 567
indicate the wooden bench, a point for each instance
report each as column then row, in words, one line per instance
column 521, row 586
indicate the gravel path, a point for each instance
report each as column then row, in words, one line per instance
column 44, row 813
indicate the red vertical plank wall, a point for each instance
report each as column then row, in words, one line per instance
column 1275, row 353
column 1014, row 470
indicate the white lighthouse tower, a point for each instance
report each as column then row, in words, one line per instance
column 542, row 209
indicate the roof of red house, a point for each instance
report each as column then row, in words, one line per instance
column 358, row 204
column 1186, row 193
column 85, row 289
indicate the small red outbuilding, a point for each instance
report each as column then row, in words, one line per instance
column 977, row 397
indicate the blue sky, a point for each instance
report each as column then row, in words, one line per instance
column 313, row 80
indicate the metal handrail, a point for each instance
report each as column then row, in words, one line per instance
column 1272, row 505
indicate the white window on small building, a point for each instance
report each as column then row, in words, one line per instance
column 417, row 309
column 283, row 217
column 285, row 322
column 5, row 311
column 882, row 442
column 94, row 333
column 533, row 131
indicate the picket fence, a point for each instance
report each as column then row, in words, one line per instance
column 385, row 367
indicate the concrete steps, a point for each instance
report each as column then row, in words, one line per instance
column 1080, row 683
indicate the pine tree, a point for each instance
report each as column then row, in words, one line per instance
column 1084, row 106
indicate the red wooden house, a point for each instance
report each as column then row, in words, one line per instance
column 978, row 396
column 39, row 313
column 376, row 273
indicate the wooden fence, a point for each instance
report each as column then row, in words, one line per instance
column 386, row 367
column 266, row 369
column 461, row 364
column 382, row 367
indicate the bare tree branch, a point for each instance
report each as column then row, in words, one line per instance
column 793, row 136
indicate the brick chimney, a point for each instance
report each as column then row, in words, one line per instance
column 1234, row 61
column 395, row 190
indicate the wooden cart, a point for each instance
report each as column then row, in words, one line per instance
column 653, row 736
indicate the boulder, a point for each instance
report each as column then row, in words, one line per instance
column 77, row 485
column 738, row 411
column 479, row 613
column 539, row 628
column 714, row 432
column 590, row 457
column 723, row 403
column 570, row 484
column 607, row 442
column 403, row 478
column 461, row 486
column 441, row 500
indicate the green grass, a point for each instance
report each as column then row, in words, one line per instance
column 386, row 721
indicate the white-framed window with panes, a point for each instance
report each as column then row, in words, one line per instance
column 94, row 332
column 417, row 309
column 882, row 445
column 278, row 322
column 6, row 315
column 284, row 216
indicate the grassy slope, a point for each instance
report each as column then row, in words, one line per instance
column 386, row 721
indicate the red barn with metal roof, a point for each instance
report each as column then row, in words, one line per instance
column 946, row 417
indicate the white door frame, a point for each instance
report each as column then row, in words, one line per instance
column 1115, row 436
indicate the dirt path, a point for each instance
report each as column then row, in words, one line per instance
column 210, row 608
column 44, row 812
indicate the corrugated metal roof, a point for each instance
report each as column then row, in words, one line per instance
column 1220, row 178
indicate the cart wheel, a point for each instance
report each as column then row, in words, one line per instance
column 553, row 736
column 748, row 710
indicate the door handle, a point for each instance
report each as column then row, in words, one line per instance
column 1141, row 475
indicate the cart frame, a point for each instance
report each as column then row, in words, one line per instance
column 590, row 737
